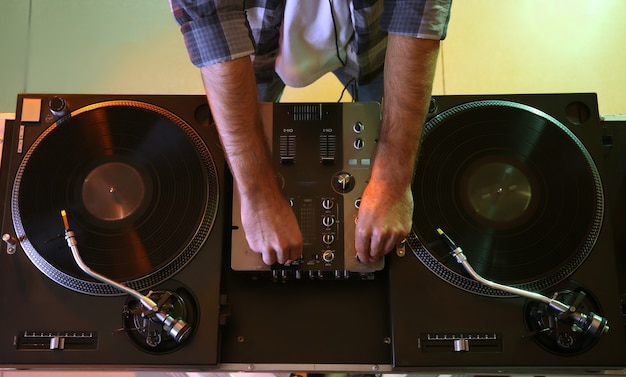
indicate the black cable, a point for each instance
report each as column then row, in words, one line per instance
column 352, row 81
column 355, row 91
column 332, row 15
column 355, row 85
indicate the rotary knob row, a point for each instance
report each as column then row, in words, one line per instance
column 328, row 238
column 358, row 143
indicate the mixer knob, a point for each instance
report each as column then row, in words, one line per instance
column 358, row 127
column 344, row 182
column 358, row 144
column 328, row 203
column 328, row 221
column 328, row 256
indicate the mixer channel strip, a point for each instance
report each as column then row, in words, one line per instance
column 287, row 149
column 328, row 148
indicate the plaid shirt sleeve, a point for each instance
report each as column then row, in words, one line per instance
column 427, row 19
column 214, row 30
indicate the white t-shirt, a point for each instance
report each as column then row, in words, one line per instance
column 308, row 43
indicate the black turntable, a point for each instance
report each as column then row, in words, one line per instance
column 117, row 247
column 140, row 182
column 516, row 183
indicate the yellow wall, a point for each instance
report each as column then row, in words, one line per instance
column 507, row 46
column 494, row 46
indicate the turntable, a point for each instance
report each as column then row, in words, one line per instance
column 117, row 244
column 140, row 182
column 516, row 184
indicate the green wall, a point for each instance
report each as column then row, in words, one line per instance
column 91, row 46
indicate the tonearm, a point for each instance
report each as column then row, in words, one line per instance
column 591, row 323
column 176, row 328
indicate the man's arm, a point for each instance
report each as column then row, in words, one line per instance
column 269, row 222
column 386, row 211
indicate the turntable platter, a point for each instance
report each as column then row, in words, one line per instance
column 138, row 183
column 514, row 187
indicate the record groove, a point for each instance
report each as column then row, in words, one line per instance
column 140, row 188
column 514, row 187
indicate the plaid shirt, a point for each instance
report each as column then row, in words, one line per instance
column 220, row 30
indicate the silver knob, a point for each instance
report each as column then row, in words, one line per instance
column 358, row 144
column 328, row 256
column 344, row 182
column 11, row 243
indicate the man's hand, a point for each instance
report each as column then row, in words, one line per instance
column 385, row 217
column 386, row 211
column 271, row 227
column 269, row 223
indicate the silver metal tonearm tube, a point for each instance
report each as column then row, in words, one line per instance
column 591, row 323
column 177, row 329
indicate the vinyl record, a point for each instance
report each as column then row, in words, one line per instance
column 513, row 187
column 139, row 186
